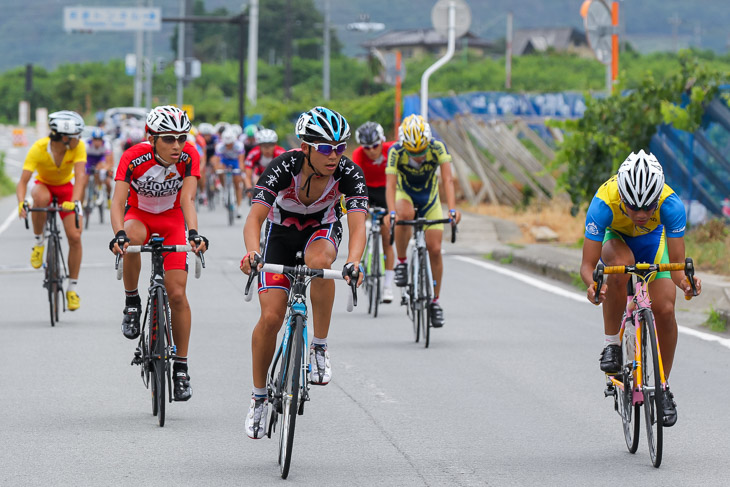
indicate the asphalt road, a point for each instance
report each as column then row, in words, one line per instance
column 509, row 393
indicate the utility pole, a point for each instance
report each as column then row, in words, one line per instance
column 287, row 51
column 508, row 54
column 181, row 53
column 675, row 21
column 138, row 54
column 253, row 50
column 326, row 63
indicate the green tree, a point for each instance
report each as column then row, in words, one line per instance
column 614, row 126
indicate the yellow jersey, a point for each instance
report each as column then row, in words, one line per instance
column 40, row 159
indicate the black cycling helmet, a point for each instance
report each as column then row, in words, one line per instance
column 370, row 133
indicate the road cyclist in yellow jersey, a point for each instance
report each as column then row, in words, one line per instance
column 412, row 191
column 57, row 159
column 635, row 217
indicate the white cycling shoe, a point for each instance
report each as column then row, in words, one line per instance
column 319, row 363
column 256, row 418
column 387, row 294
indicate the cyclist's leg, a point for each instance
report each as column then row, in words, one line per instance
column 73, row 235
column 238, row 183
column 403, row 211
column 41, row 198
column 320, row 254
column 615, row 252
column 175, row 283
column 138, row 233
column 434, row 238
column 263, row 339
column 663, row 294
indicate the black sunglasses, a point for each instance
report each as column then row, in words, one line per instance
column 170, row 139
column 372, row 146
column 650, row 207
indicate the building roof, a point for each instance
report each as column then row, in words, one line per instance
column 560, row 38
column 418, row 37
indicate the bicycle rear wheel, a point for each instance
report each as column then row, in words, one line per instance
column 158, row 356
column 290, row 384
column 89, row 203
column 630, row 415
column 413, row 305
column 652, row 388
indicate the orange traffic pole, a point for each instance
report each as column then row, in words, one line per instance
column 614, row 42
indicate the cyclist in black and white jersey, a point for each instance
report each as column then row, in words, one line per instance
column 299, row 193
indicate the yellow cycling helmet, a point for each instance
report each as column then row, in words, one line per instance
column 414, row 133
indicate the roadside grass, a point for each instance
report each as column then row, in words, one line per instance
column 715, row 321
column 708, row 246
column 577, row 282
column 7, row 187
column 554, row 214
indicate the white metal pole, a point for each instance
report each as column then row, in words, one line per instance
column 253, row 49
column 508, row 54
column 138, row 41
column 326, row 63
column 181, row 53
column 449, row 54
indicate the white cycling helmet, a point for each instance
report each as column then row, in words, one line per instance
column 321, row 123
column 640, row 180
column 228, row 136
column 167, row 119
column 206, row 129
column 65, row 122
column 266, row 136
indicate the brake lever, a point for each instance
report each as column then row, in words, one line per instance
column 598, row 282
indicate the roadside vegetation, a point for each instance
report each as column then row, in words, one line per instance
column 708, row 246
column 7, row 187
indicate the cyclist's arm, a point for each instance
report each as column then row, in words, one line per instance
column 591, row 255
column 119, row 200
column 675, row 248
column 187, row 201
column 391, row 182
column 356, row 244
column 447, row 176
column 240, row 162
column 249, row 177
column 22, row 187
column 252, row 228
column 79, row 180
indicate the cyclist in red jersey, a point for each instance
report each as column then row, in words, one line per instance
column 259, row 157
column 372, row 157
column 157, row 181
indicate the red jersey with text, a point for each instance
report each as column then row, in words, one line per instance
column 153, row 187
column 255, row 159
column 278, row 188
column 374, row 170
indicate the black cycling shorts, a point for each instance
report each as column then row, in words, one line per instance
column 376, row 197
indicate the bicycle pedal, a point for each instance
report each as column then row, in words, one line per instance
column 137, row 360
column 610, row 391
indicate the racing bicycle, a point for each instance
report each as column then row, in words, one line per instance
column 156, row 347
column 55, row 265
column 94, row 196
column 373, row 260
column 641, row 381
column 287, row 385
column 229, row 192
column 418, row 293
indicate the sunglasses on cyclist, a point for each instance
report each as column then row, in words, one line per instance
column 326, row 149
column 170, row 139
column 650, row 207
column 72, row 136
column 372, row 146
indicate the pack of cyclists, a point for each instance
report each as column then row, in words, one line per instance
column 296, row 200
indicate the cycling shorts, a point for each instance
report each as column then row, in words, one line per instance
column 650, row 248
column 170, row 225
column 283, row 243
column 376, row 197
column 232, row 163
column 429, row 209
column 62, row 192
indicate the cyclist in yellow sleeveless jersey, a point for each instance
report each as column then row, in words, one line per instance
column 56, row 159
column 412, row 191
column 635, row 217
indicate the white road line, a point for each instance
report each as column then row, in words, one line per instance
column 9, row 220
column 532, row 281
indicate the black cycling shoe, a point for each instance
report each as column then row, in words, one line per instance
column 401, row 274
column 611, row 359
column 669, row 407
column 130, row 323
column 181, row 380
column 437, row 315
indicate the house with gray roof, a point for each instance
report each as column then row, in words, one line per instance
column 561, row 39
column 417, row 42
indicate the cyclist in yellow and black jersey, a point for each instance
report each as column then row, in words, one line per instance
column 412, row 191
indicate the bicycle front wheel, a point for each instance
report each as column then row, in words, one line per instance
column 424, row 297
column 652, row 387
column 158, row 356
column 630, row 415
column 231, row 203
column 375, row 272
column 292, row 367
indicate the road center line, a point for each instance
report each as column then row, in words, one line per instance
column 532, row 281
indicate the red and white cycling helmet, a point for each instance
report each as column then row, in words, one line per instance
column 167, row 119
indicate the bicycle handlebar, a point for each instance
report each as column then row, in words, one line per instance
column 78, row 210
column 136, row 249
column 645, row 269
column 423, row 222
column 305, row 271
